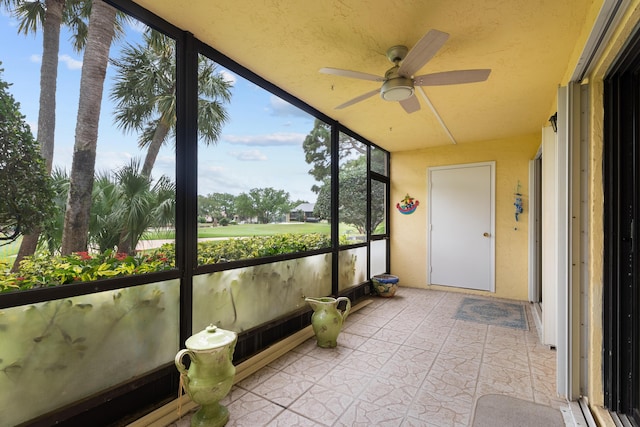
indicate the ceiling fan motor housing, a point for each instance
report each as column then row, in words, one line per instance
column 396, row 87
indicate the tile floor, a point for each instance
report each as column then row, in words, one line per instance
column 401, row 361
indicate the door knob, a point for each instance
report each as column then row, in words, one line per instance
column 486, row 234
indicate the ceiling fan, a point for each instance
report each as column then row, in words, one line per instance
column 399, row 81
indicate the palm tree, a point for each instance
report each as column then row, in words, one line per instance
column 105, row 224
column 145, row 97
column 50, row 14
column 126, row 205
column 101, row 32
column 51, row 234
column 142, row 205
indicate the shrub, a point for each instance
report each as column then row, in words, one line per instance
column 213, row 252
column 43, row 269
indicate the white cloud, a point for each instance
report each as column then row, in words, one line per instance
column 109, row 161
column 273, row 139
column 280, row 107
column 218, row 179
column 228, row 77
column 249, row 155
column 72, row 64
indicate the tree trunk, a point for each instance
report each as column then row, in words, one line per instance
column 47, row 112
column 124, row 244
column 94, row 68
column 159, row 136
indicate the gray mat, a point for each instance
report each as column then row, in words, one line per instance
column 497, row 313
column 493, row 410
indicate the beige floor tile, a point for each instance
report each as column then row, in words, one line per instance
column 234, row 394
column 442, row 404
column 366, row 414
column 396, row 336
column 322, row 405
column 403, row 323
column 282, row 388
column 468, row 366
column 499, row 380
column 425, row 341
column 406, row 372
column 401, row 361
column 367, row 318
column 415, row 422
column 307, row 368
column 379, row 347
column 333, row 355
column 344, row 380
column 252, row 410
column 257, row 378
column 395, row 395
column 285, row 360
column 512, row 358
column 350, row 340
column 364, row 362
column 361, row 329
column 290, row 419
column 465, row 348
column 418, row 356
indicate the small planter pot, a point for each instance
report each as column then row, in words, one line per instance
column 385, row 285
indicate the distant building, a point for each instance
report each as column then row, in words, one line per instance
column 302, row 213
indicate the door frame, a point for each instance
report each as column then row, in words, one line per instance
column 621, row 296
column 492, row 231
column 535, row 228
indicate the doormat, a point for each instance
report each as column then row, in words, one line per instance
column 506, row 411
column 494, row 313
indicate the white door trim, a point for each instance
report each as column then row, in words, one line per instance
column 535, row 199
column 549, row 238
column 492, row 168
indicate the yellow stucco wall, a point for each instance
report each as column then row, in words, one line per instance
column 409, row 232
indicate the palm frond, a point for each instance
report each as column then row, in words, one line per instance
column 30, row 15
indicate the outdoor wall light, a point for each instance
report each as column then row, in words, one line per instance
column 554, row 122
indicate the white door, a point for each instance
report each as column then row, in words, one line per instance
column 461, row 226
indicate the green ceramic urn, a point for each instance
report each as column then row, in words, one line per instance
column 327, row 319
column 210, row 376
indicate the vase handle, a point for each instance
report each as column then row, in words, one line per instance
column 181, row 368
column 347, row 309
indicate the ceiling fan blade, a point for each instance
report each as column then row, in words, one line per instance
column 410, row 105
column 452, row 77
column 351, row 74
column 422, row 52
column 358, row 99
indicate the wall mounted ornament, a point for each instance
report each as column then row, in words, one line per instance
column 407, row 205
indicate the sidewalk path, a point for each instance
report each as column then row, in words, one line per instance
column 144, row 245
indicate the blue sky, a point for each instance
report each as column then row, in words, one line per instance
column 261, row 145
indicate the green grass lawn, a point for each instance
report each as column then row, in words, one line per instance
column 8, row 252
column 246, row 230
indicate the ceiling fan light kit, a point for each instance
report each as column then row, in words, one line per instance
column 399, row 81
column 397, row 89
